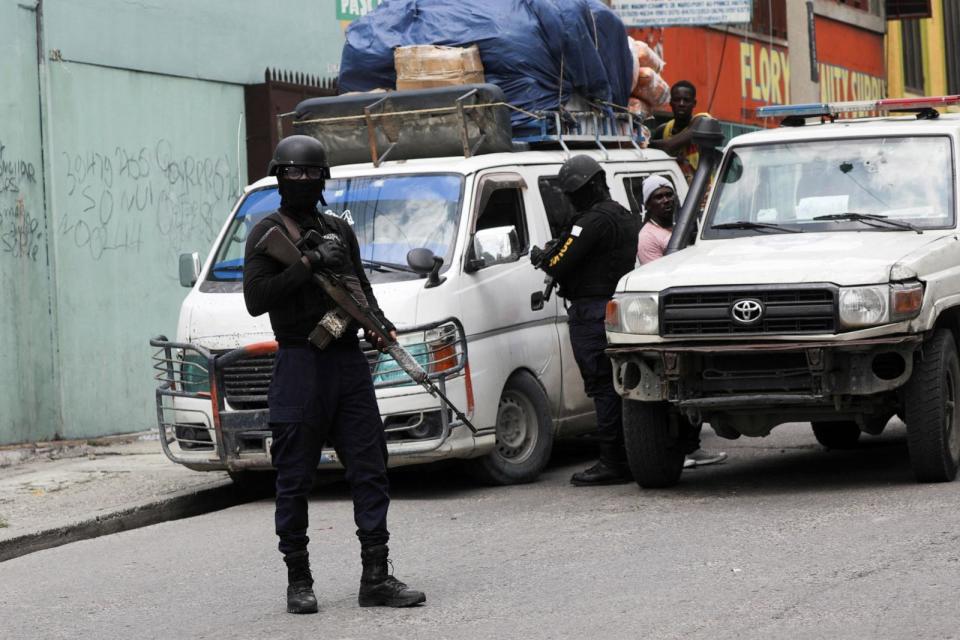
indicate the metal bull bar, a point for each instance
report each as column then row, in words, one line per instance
column 230, row 429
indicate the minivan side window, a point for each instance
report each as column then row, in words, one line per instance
column 503, row 216
column 557, row 205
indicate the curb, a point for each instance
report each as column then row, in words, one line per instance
column 185, row 504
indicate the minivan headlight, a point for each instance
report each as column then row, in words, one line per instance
column 879, row 304
column 634, row 313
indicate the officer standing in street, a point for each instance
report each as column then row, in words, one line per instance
column 587, row 261
column 318, row 396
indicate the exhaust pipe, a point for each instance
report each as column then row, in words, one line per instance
column 708, row 137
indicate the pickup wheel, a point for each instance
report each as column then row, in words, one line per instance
column 524, row 435
column 930, row 400
column 654, row 452
column 837, row 434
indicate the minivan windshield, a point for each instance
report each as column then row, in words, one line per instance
column 865, row 184
column 389, row 214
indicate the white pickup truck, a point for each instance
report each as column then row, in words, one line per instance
column 823, row 286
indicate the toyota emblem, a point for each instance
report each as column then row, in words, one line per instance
column 746, row 311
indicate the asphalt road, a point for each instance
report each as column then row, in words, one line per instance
column 785, row 540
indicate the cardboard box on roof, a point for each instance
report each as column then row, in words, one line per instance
column 427, row 66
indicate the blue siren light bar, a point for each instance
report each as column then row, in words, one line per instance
column 812, row 109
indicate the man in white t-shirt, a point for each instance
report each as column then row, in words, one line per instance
column 660, row 203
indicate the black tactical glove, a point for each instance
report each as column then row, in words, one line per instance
column 329, row 254
column 538, row 255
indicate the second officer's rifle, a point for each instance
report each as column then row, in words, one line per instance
column 351, row 301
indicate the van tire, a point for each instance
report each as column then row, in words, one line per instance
column 837, row 434
column 654, row 452
column 930, row 403
column 524, row 435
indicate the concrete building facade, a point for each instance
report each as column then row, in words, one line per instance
column 122, row 145
column 792, row 51
column 923, row 54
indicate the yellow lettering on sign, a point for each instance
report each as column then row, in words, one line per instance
column 765, row 74
column 754, row 87
column 746, row 52
column 775, row 95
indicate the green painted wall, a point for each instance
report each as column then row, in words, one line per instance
column 133, row 185
column 225, row 40
column 120, row 147
column 28, row 394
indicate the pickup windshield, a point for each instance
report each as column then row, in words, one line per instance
column 390, row 215
column 816, row 185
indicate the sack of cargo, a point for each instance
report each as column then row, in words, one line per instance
column 645, row 56
column 429, row 66
column 539, row 52
column 651, row 88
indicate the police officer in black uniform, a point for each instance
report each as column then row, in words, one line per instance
column 319, row 396
column 587, row 260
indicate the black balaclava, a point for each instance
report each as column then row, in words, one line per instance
column 590, row 194
column 300, row 196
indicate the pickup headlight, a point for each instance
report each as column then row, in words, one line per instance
column 879, row 304
column 634, row 313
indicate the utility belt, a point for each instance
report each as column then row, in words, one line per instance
column 305, row 343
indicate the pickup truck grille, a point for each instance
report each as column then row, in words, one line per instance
column 707, row 311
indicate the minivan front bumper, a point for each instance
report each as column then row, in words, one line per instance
column 212, row 414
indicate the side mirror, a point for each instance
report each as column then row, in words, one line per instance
column 189, row 269
column 424, row 262
column 493, row 245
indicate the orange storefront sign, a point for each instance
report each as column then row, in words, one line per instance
column 850, row 61
column 736, row 73
column 733, row 74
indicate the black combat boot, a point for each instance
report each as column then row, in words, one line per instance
column 300, row 596
column 602, row 473
column 380, row 589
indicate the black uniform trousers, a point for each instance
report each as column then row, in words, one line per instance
column 327, row 396
column 588, row 338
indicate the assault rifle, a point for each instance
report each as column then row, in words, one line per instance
column 351, row 305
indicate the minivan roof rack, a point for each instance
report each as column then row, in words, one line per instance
column 467, row 119
column 599, row 127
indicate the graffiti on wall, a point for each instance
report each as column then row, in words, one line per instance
column 21, row 234
column 116, row 200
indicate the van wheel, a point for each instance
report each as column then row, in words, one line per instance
column 837, row 434
column 524, row 435
column 930, row 401
column 655, row 455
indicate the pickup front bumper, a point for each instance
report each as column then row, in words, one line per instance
column 212, row 406
column 740, row 376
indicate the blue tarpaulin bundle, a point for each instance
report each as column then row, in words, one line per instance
column 524, row 45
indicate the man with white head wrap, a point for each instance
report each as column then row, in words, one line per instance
column 659, row 203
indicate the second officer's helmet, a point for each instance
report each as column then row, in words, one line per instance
column 577, row 172
column 302, row 151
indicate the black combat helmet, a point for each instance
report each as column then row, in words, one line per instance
column 302, row 151
column 577, row 172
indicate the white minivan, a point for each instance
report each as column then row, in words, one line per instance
column 480, row 322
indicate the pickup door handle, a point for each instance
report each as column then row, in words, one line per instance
column 536, row 300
